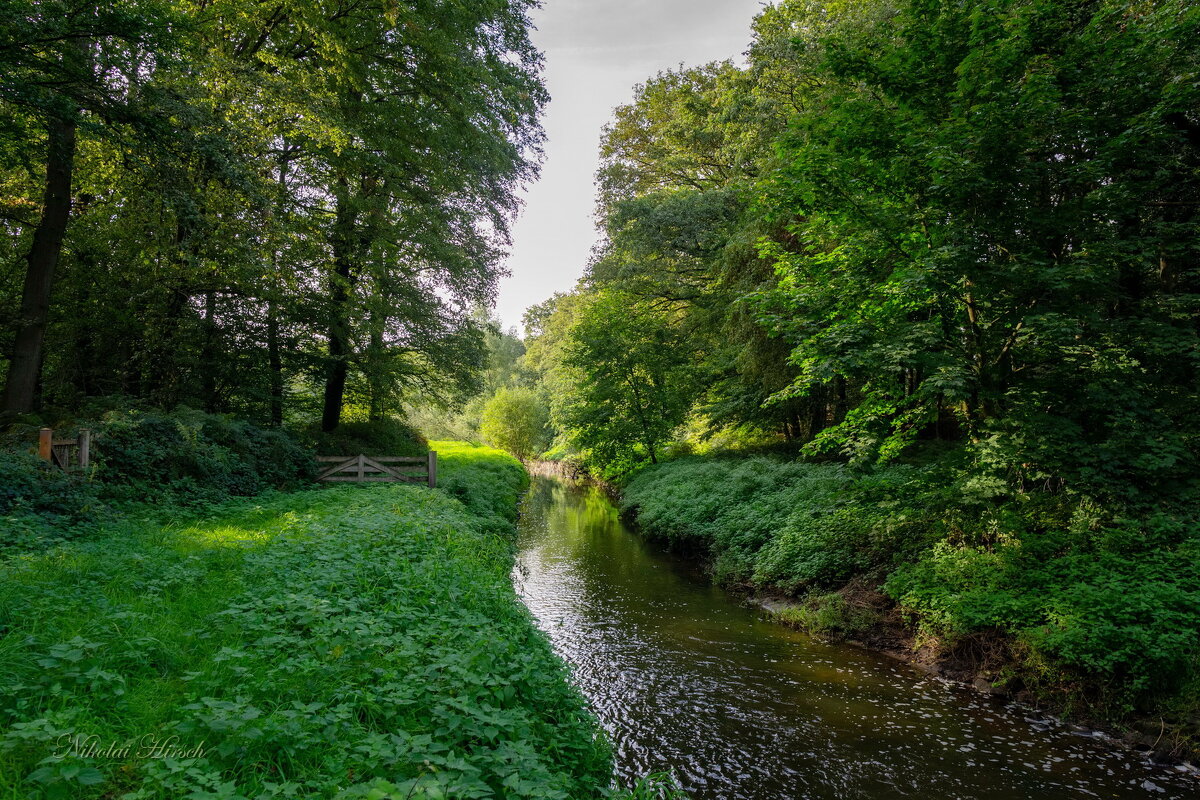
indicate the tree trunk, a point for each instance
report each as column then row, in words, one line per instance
column 274, row 354
column 275, row 366
column 339, row 322
column 208, row 353
column 25, row 367
column 374, row 366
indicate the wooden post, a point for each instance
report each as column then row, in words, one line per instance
column 85, row 448
column 432, row 469
column 361, row 467
column 46, row 444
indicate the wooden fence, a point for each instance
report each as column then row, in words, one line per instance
column 76, row 453
column 379, row 469
column 66, row 453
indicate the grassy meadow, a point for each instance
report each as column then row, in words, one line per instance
column 350, row 642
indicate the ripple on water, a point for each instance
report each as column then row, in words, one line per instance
column 684, row 679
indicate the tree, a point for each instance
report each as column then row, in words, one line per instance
column 623, row 382
column 998, row 224
column 278, row 208
column 516, row 420
column 63, row 64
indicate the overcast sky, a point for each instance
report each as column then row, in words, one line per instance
column 596, row 51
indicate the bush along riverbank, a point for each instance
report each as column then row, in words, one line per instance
column 1088, row 611
column 345, row 642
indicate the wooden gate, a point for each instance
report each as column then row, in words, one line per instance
column 379, row 469
column 66, row 453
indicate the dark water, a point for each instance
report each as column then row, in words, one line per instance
column 685, row 679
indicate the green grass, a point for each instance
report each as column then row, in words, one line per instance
column 344, row 642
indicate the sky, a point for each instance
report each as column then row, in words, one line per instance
column 596, row 51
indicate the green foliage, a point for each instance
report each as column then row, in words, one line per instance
column 191, row 456
column 350, row 642
column 771, row 523
column 145, row 462
column 1101, row 607
column 505, row 368
column 517, row 421
column 617, row 375
column 995, row 206
column 382, row 437
column 950, row 249
column 40, row 504
column 827, row 614
column 269, row 265
column 1117, row 604
column 486, row 481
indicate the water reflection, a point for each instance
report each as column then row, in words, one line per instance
column 683, row 678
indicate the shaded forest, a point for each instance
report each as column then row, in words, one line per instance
column 285, row 211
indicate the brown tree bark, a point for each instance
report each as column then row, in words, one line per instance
column 24, row 367
column 209, row 368
column 275, row 366
column 339, row 324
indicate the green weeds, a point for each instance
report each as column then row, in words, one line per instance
column 348, row 642
column 827, row 614
column 1101, row 611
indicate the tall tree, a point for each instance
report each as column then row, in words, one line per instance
column 62, row 64
column 998, row 221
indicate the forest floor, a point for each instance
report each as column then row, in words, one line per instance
column 340, row 642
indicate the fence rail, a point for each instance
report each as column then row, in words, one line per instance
column 379, row 469
column 70, row 454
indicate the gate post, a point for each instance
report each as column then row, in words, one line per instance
column 46, row 444
column 432, row 469
column 85, row 448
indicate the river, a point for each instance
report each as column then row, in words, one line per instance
column 685, row 679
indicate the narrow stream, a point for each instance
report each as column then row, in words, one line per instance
column 683, row 678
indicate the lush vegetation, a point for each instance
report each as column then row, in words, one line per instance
column 145, row 463
column 1098, row 613
column 349, row 642
column 287, row 212
column 516, row 420
column 937, row 264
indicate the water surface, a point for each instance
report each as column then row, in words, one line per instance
column 683, row 678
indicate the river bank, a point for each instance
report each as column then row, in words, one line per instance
column 684, row 676
column 983, row 664
column 341, row 642
column 717, row 521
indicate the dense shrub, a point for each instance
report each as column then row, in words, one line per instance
column 385, row 437
column 39, row 503
column 517, row 421
column 184, row 458
column 772, row 523
column 194, row 456
column 1120, row 604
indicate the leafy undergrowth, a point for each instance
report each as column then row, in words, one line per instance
column 144, row 464
column 1100, row 608
column 350, row 642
